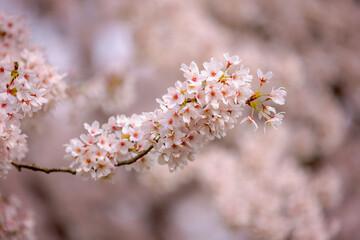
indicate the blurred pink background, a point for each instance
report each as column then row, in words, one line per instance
column 300, row 182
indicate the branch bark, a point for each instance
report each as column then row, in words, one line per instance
column 35, row 167
column 132, row 160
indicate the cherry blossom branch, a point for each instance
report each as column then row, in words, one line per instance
column 35, row 167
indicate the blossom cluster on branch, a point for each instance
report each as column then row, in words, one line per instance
column 28, row 83
column 14, row 36
column 201, row 108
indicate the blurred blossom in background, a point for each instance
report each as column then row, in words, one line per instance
column 299, row 182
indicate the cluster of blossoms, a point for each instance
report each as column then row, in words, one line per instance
column 28, row 83
column 15, row 223
column 97, row 153
column 14, row 36
column 199, row 109
column 256, row 102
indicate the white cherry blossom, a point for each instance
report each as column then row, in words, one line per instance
column 94, row 128
column 264, row 77
column 275, row 121
column 249, row 122
column 277, row 96
column 234, row 60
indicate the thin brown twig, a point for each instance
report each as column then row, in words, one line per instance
column 35, row 167
column 132, row 160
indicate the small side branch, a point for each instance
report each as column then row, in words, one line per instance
column 132, row 160
column 35, row 167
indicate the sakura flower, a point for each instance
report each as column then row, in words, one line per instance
column 175, row 137
column 181, row 87
column 264, row 77
column 38, row 96
column 213, row 69
column 173, row 97
column 275, row 121
column 243, row 93
column 120, row 120
column 104, row 142
column 88, row 139
column 268, row 110
column 8, row 96
column 103, row 167
column 213, row 95
column 75, row 148
column 88, row 162
column 14, row 119
column 277, row 96
column 249, row 122
column 123, row 146
column 188, row 70
column 193, row 77
column 169, row 120
column 194, row 85
column 174, row 157
column 136, row 134
column 111, row 125
column 228, row 92
column 234, row 60
column 188, row 112
column 194, row 138
column 94, row 128
column 241, row 77
column 135, row 120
